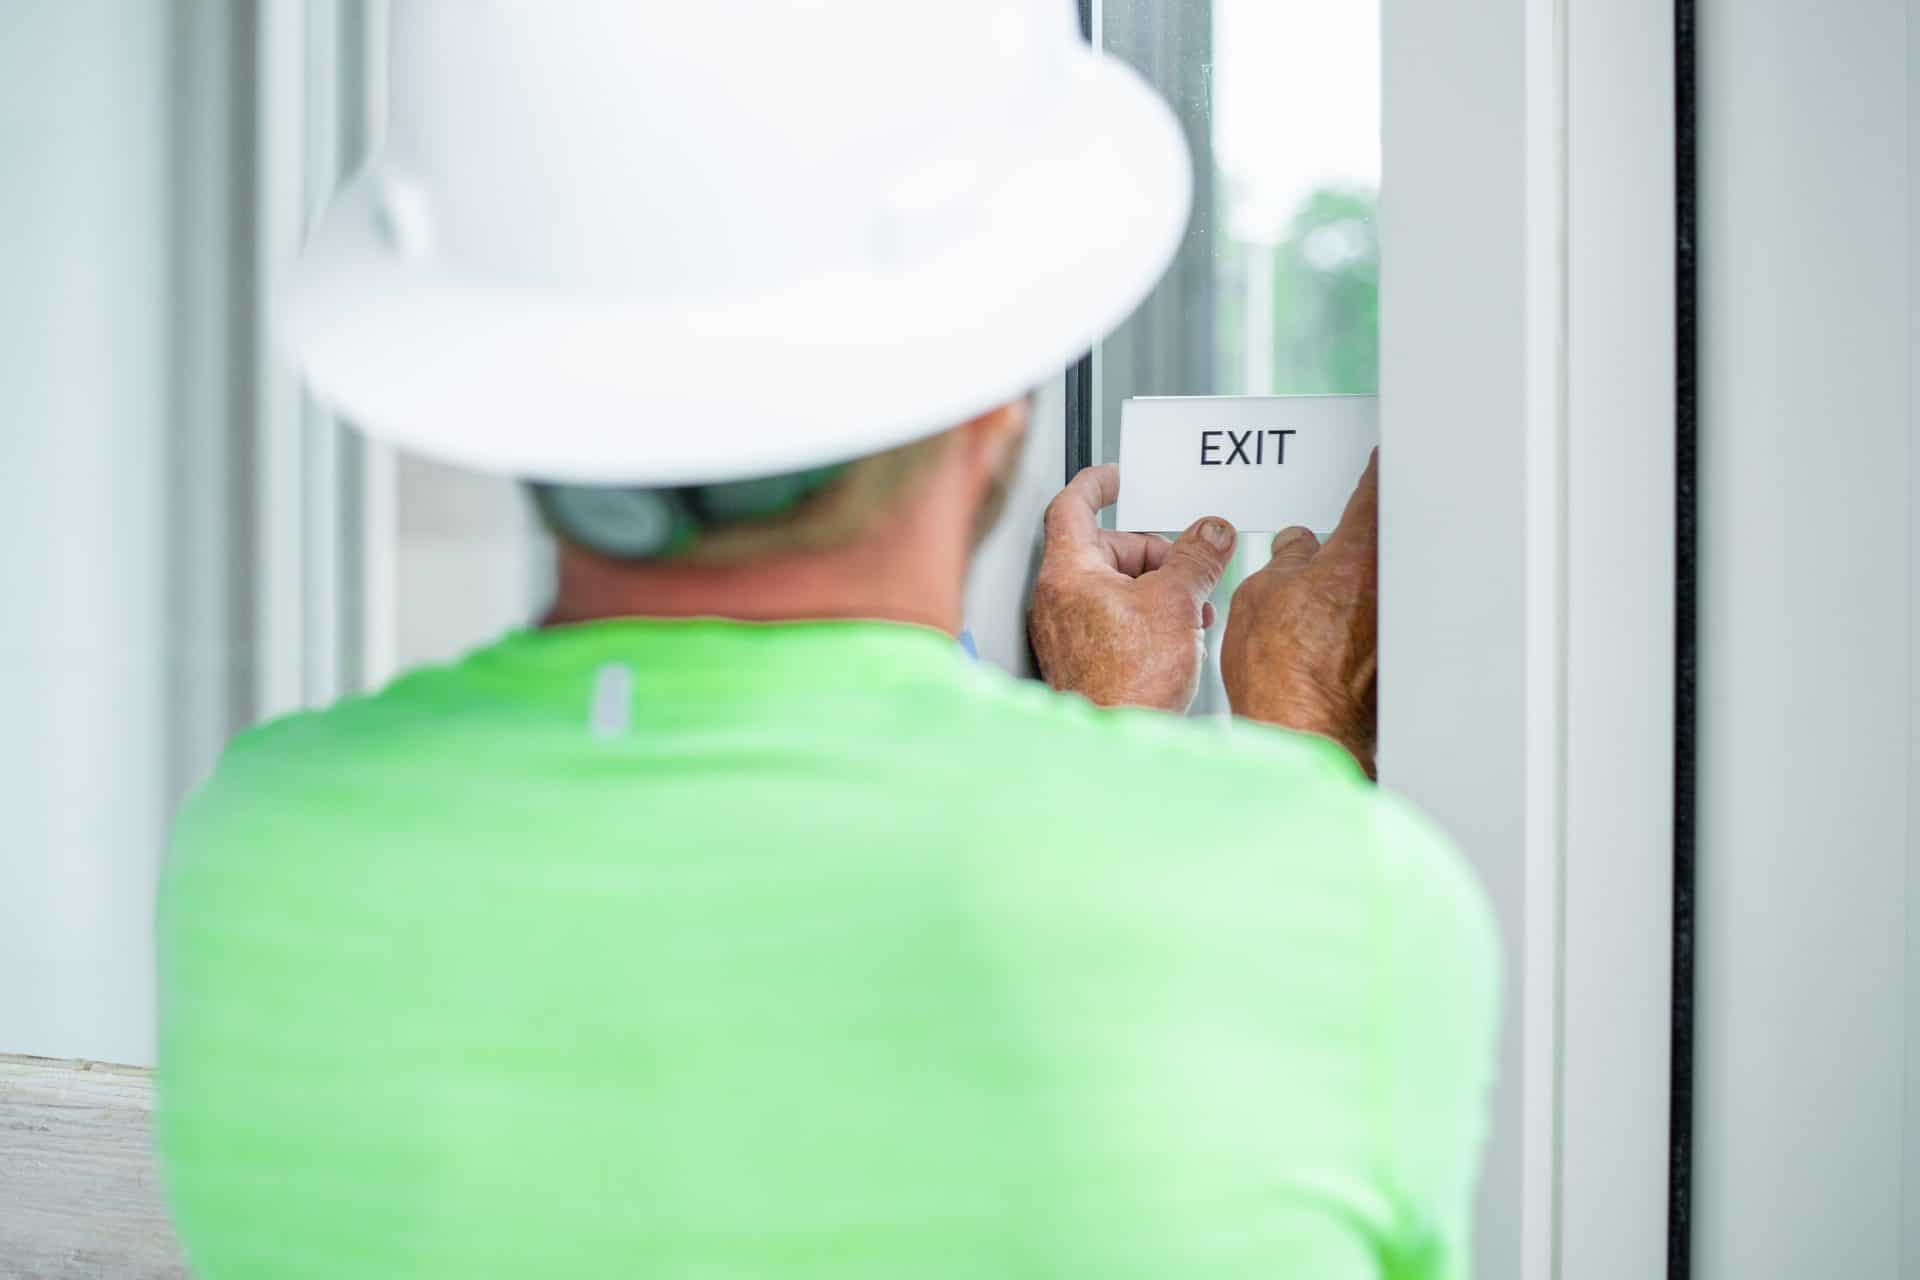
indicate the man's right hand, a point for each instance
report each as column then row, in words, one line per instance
column 1121, row 618
column 1300, row 644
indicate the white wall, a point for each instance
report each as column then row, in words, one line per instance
column 88, row 679
column 164, row 595
column 471, row 561
column 1807, row 976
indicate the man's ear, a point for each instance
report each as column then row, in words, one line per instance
column 994, row 436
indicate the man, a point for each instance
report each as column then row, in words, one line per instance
column 732, row 923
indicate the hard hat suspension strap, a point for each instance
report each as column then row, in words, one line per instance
column 626, row 523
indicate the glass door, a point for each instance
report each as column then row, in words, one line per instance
column 1276, row 287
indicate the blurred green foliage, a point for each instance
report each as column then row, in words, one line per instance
column 1325, row 299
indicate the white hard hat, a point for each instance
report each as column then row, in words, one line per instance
column 669, row 243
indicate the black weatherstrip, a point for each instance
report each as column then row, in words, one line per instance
column 1080, row 415
column 1680, row 1116
column 1080, row 376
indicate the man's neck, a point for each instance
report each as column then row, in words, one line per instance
column 898, row 579
column 909, row 566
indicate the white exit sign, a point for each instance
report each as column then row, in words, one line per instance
column 1262, row 462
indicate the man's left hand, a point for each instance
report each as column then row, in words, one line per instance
column 1121, row 617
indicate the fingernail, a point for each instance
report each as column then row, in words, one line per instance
column 1219, row 534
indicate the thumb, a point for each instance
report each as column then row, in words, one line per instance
column 1198, row 557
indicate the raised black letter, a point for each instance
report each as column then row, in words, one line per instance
column 1209, row 440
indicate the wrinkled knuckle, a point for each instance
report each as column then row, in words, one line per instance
column 1184, row 557
column 1248, row 596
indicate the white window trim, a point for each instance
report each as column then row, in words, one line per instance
column 324, row 497
column 1526, row 575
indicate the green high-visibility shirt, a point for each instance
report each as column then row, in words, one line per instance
column 716, row 950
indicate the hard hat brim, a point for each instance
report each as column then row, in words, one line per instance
column 1086, row 215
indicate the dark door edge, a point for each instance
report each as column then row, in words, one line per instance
column 1079, row 409
column 1685, row 653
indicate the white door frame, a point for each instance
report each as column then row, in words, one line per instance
column 324, row 496
column 1808, row 1115
column 1527, row 573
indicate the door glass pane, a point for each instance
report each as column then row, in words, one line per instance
column 1275, row 289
